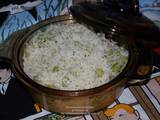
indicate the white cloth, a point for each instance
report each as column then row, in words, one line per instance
column 14, row 8
column 41, row 114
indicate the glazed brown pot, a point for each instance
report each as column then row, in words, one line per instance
column 79, row 101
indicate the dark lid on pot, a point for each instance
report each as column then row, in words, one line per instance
column 118, row 18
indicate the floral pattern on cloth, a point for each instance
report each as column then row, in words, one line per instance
column 21, row 20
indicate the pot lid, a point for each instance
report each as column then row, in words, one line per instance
column 121, row 18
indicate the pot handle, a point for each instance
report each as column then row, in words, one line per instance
column 5, row 51
column 8, row 45
column 143, row 70
column 139, row 80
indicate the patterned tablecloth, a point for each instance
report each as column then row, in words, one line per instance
column 135, row 103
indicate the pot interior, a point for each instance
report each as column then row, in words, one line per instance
column 120, row 57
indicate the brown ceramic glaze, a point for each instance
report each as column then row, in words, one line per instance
column 71, row 102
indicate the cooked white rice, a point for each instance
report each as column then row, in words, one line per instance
column 69, row 56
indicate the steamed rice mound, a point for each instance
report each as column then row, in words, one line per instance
column 69, row 56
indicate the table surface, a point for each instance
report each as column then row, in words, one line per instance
column 144, row 99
